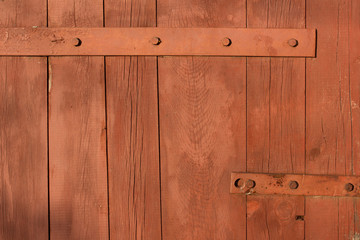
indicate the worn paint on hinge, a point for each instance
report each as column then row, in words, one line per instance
column 158, row 42
column 295, row 184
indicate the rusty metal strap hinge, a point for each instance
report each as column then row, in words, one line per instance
column 157, row 42
column 295, row 184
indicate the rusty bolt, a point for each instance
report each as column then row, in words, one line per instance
column 155, row 41
column 349, row 187
column 293, row 185
column 293, row 42
column 239, row 183
column 226, row 42
column 76, row 42
column 250, row 183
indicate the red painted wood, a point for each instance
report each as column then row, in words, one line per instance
column 77, row 134
column 275, row 123
column 23, row 132
column 217, row 116
column 328, row 123
column 132, row 113
column 354, row 77
column 202, row 129
column 23, row 149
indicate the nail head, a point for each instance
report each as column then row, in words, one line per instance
column 250, row 183
column 76, row 42
column 239, row 183
column 293, row 184
column 226, row 42
column 155, row 41
column 293, row 42
column 349, row 187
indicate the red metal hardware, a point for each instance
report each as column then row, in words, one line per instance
column 295, row 184
column 157, row 42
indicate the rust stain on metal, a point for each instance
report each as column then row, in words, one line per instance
column 297, row 184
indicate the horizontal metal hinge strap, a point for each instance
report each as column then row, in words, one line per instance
column 295, row 184
column 37, row 41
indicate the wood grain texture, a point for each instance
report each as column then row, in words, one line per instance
column 23, row 132
column 275, row 122
column 78, row 183
column 133, row 144
column 202, row 129
column 328, row 121
column 77, row 132
column 202, row 140
column 354, row 77
column 23, row 149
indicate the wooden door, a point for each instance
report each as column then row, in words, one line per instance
column 142, row 147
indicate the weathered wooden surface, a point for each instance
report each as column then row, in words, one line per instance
column 354, row 76
column 23, row 132
column 329, row 104
column 275, row 122
column 202, row 129
column 217, row 116
column 23, row 149
column 132, row 114
column 77, row 132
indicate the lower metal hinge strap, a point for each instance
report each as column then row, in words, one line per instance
column 295, row 184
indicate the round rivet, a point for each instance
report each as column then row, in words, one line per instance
column 293, row 185
column 293, row 42
column 226, row 42
column 76, row 42
column 250, row 183
column 239, row 183
column 349, row 187
column 155, row 41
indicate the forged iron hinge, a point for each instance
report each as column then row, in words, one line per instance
column 295, row 184
column 35, row 41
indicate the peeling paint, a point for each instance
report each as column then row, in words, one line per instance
column 50, row 77
column 5, row 37
column 356, row 236
column 354, row 105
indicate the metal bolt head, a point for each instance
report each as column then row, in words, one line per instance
column 250, row 183
column 76, row 42
column 226, row 42
column 239, row 183
column 293, row 42
column 349, row 187
column 293, row 184
column 155, row 41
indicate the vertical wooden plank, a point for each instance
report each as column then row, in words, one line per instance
column 23, row 132
column 133, row 144
column 275, row 122
column 202, row 128
column 354, row 61
column 77, row 134
column 23, row 149
column 328, row 117
column 258, row 96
